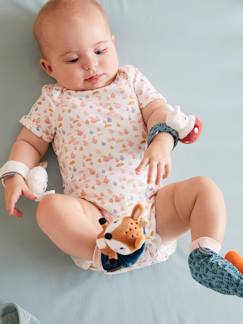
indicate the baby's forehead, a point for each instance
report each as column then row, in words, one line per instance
column 63, row 9
column 51, row 23
column 50, row 17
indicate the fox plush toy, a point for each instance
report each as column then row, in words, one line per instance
column 122, row 241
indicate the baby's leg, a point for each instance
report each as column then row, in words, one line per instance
column 71, row 223
column 198, row 204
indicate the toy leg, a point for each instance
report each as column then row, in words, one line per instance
column 71, row 223
column 198, row 204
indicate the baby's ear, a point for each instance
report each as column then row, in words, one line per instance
column 46, row 66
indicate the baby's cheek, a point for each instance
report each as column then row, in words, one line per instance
column 112, row 59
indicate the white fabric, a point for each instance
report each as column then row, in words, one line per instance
column 95, row 263
column 179, row 121
column 12, row 167
column 206, row 242
column 99, row 138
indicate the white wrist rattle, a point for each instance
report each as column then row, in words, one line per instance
column 183, row 128
column 36, row 178
column 189, row 127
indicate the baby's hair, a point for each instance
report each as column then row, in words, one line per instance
column 53, row 6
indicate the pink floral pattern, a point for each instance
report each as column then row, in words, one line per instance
column 99, row 138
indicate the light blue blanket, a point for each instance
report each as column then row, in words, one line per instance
column 192, row 52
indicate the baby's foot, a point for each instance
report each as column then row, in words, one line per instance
column 213, row 271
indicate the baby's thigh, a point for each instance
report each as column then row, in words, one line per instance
column 71, row 223
column 173, row 206
column 65, row 210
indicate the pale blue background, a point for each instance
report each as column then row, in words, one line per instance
column 192, row 52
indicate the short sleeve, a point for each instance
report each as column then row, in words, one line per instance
column 144, row 90
column 41, row 118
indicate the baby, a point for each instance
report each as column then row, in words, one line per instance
column 97, row 116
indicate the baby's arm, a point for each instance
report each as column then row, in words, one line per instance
column 154, row 113
column 157, row 155
column 28, row 149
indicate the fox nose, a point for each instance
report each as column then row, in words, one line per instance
column 108, row 236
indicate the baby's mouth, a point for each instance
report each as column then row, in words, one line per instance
column 94, row 78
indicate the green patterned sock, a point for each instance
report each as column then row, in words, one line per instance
column 213, row 271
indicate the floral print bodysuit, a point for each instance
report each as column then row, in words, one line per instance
column 99, row 138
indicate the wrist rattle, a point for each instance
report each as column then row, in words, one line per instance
column 183, row 128
column 36, row 178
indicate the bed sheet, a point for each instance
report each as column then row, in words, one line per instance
column 192, row 52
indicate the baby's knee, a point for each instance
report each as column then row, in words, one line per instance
column 207, row 185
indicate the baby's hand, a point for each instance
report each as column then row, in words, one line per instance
column 15, row 186
column 158, row 158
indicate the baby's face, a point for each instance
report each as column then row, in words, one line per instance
column 81, row 53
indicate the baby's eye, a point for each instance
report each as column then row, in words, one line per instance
column 74, row 60
column 100, row 51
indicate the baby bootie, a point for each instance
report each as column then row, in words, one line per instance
column 213, row 271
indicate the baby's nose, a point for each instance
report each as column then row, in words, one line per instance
column 89, row 64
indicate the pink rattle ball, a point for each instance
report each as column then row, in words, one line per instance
column 194, row 133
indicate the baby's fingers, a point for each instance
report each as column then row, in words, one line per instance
column 160, row 170
column 10, row 205
column 152, row 171
column 28, row 194
column 16, row 212
column 167, row 171
column 142, row 165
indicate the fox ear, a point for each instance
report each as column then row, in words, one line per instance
column 137, row 211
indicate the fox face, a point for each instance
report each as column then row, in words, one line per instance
column 124, row 235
